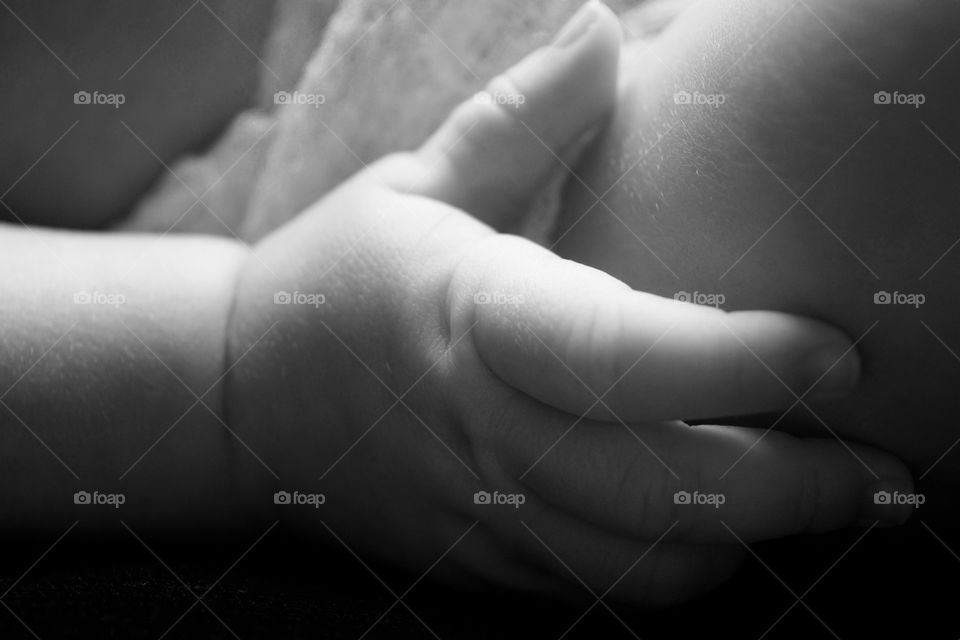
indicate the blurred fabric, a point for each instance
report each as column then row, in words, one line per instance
column 388, row 71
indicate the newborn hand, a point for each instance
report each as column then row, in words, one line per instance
column 419, row 357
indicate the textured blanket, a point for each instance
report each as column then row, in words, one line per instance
column 357, row 79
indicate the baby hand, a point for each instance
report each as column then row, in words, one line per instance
column 473, row 406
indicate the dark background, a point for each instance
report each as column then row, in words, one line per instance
column 893, row 583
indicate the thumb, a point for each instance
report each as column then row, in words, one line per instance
column 499, row 148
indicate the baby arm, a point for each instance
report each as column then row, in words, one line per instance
column 111, row 359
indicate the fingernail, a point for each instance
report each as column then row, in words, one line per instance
column 577, row 25
column 836, row 372
column 889, row 502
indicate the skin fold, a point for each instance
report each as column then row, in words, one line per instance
column 703, row 197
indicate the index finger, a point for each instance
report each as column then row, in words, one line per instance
column 582, row 341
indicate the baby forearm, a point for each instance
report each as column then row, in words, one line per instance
column 111, row 357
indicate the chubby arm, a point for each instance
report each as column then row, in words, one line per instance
column 108, row 342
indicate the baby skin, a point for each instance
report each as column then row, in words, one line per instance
column 392, row 350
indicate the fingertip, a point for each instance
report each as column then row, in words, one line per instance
column 810, row 359
column 888, row 496
column 853, row 480
column 577, row 70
